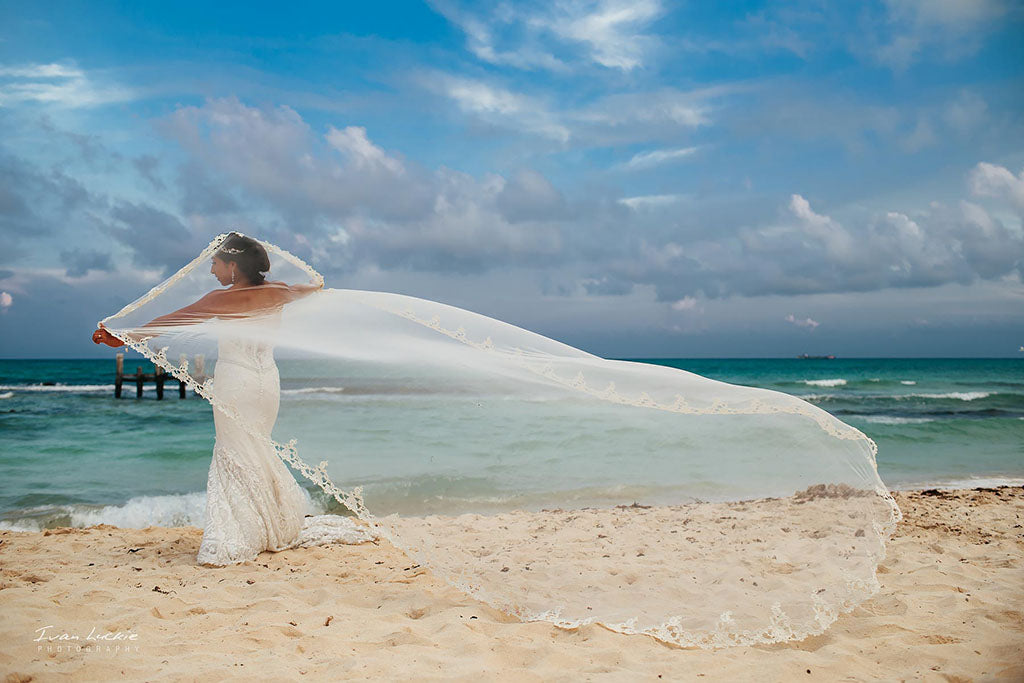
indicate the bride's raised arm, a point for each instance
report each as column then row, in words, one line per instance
column 219, row 302
column 209, row 305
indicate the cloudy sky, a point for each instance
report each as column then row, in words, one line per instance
column 633, row 177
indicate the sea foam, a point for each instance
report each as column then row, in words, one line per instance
column 186, row 509
column 961, row 395
column 967, row 483
column 74, row 388
column 838, row 382
column 895, row 419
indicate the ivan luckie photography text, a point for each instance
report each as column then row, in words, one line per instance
column 55, row 639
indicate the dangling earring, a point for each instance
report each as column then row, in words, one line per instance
column 232, row 276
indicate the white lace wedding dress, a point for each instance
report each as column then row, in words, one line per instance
column 253, row 503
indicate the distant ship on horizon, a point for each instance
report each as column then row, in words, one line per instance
column 808, row 357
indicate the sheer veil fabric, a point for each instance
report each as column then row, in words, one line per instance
column 550, row 483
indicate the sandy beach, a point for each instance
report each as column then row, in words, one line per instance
column 951, row 607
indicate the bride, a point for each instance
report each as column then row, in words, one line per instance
column 543, row 480
column 253, row 503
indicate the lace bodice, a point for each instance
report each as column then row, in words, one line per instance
column 257, row 357
column 243, row 342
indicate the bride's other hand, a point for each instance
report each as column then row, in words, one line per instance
column 101, row 336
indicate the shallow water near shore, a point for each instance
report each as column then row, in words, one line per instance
column 72, row 455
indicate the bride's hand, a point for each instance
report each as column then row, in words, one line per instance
column 101, row 336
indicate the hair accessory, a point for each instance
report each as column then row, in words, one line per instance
column 232, row 250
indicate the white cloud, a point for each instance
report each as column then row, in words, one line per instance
column 651, row 201
column 802, row 322
column 910, row 28
column 990, row 180
column 808, row 251
column 445, row 221
column 610, row 33
column 920, row 137
column 671, row 107
column 57, row 84
column 19, row 279
column 955, row 15
column 612, row 29
column 503, row 107
column 352, row 142
column 894, row 33
column 837, row 241
column 687, row 303
column 657, row 157
column 339, row 236
column 777, row 27
column 479, row 97
column 619, row 119
column 371, row 208
column 966, row 113
column 41, row 71
column 482, row 38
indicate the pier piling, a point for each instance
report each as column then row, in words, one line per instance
column 159, row 376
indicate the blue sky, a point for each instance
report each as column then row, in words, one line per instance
column 635, row 178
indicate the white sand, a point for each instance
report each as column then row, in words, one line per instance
column 951, row 608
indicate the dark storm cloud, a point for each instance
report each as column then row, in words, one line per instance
column 156, row 237
column 608, row 286
column 41, row 299
column 80, row 261
column 528, row 195
column 147, row 166
column 35, row 204
column 89, row 149
column 201, row 194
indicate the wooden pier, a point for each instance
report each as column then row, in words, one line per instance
column 159, row 376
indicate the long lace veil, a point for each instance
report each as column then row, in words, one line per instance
column 543, row 480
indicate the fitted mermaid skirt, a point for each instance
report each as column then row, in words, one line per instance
column 253, row 502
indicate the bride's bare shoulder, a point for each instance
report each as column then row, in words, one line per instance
column 214, row 295
column 216, row 300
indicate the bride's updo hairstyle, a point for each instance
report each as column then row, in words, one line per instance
column 248, row 254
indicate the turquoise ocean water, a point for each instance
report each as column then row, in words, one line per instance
column 71, row 454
